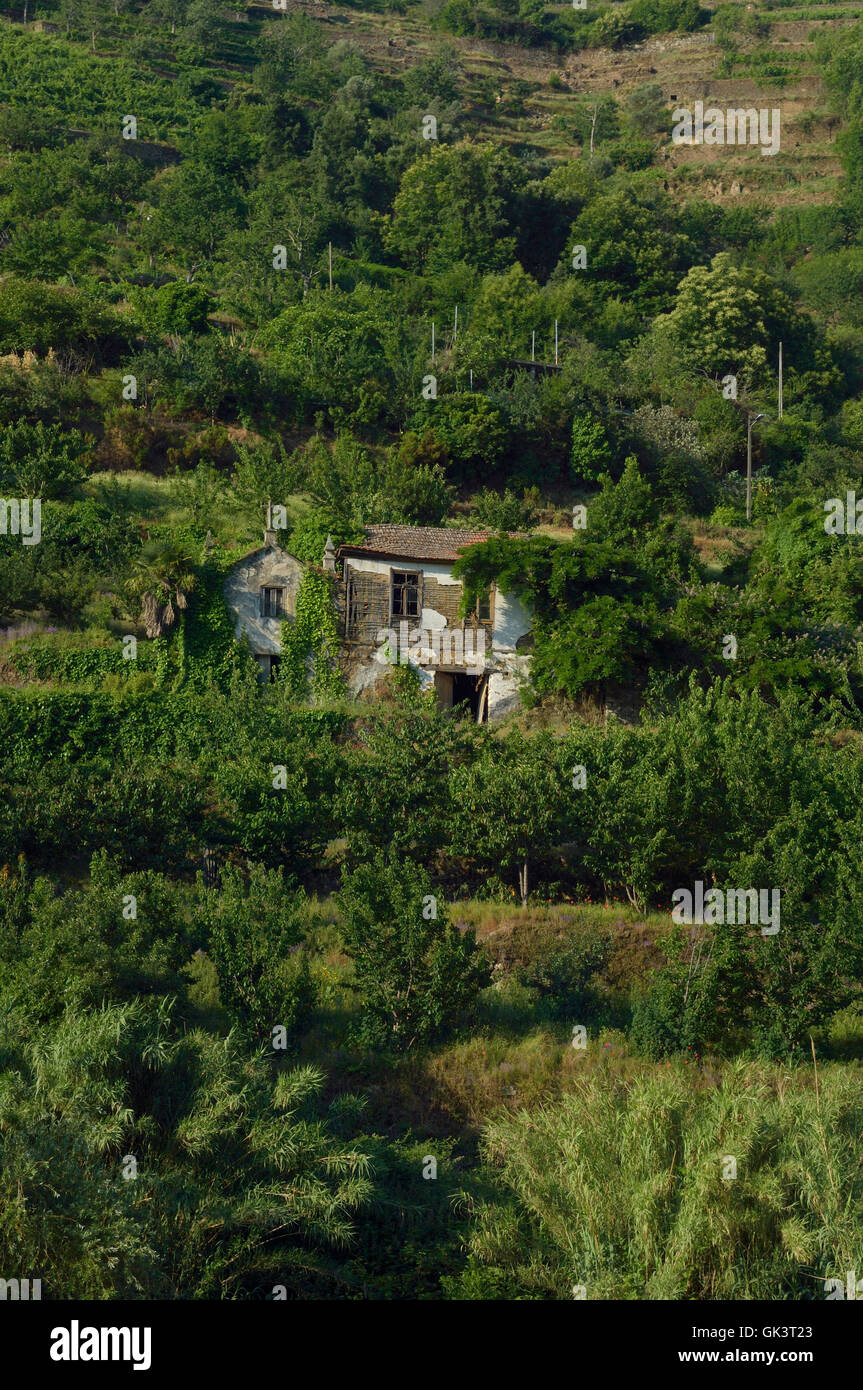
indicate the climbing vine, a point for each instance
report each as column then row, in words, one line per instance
column 210, row 647
column 312, row 640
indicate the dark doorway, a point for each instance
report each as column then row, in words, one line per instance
column 466, row 690
column 275, row 663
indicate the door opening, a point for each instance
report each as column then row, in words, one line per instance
column 465, row 691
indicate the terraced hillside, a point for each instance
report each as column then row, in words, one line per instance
column 314, row 988
column 753, row 56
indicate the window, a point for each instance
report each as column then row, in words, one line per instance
column 272, row 603
column 405, row 594
column 483, row 607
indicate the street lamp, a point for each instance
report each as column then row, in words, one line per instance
column 750, row 421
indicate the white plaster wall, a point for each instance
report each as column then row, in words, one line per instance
column 504, row 687
column 511, row 621
column 442, row 573
column 242, row 595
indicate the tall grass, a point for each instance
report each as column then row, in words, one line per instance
column 622, row 1186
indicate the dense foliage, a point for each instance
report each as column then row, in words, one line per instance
column 291, row 986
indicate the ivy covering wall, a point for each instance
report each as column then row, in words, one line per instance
column 310, row 643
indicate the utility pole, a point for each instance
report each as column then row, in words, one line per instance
column 455, row 327
column 330, row 245
column 432, row 340
column 780, row 381
column 750, row 421
column 533, row 346
column 555, row 343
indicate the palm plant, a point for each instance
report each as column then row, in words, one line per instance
column 239, row 1184
column 162, row 577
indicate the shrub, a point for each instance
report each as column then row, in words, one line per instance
column 416, row 974
column 255, row 938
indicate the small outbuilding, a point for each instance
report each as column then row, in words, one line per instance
column 261, row 592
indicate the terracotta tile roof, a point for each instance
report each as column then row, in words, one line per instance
column 415, row 542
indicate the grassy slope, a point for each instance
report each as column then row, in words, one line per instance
column 521, row 1054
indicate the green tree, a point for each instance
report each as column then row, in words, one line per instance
column 507, row 805
column 178, row 308
column 42, row 460
column 472, row 429
column 728, row 319
column 196, row 212
column 254, row 931
column 454, row 205
column 633, row 247
column 263, row 474
column 162, row 577
column 198, row 491
column 393, row 794
column 646, row 109
column 417, row 975
column 341, row 352
column 591, row 453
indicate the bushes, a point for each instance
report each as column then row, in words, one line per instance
column 79, row 663
column 562, row 974
column 178, row 308
column 210, row 375
column 125, row 935
column 199, row 1116
column 417, row 975
column 254, row 930
column 41, row 460
column 506, row 512
column 725, row 790
column 471, row 429
column 149, row 814
column 38, row 318
column 340, row 352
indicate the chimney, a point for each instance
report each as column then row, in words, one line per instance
column 270, row 539
column 330, row 555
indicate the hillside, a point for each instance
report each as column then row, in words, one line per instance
column 320, row 991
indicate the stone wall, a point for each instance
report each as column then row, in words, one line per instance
column 267, row 567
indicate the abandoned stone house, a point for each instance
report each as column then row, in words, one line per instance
column 261, row 591
column 397, row 600
column 397, row 588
